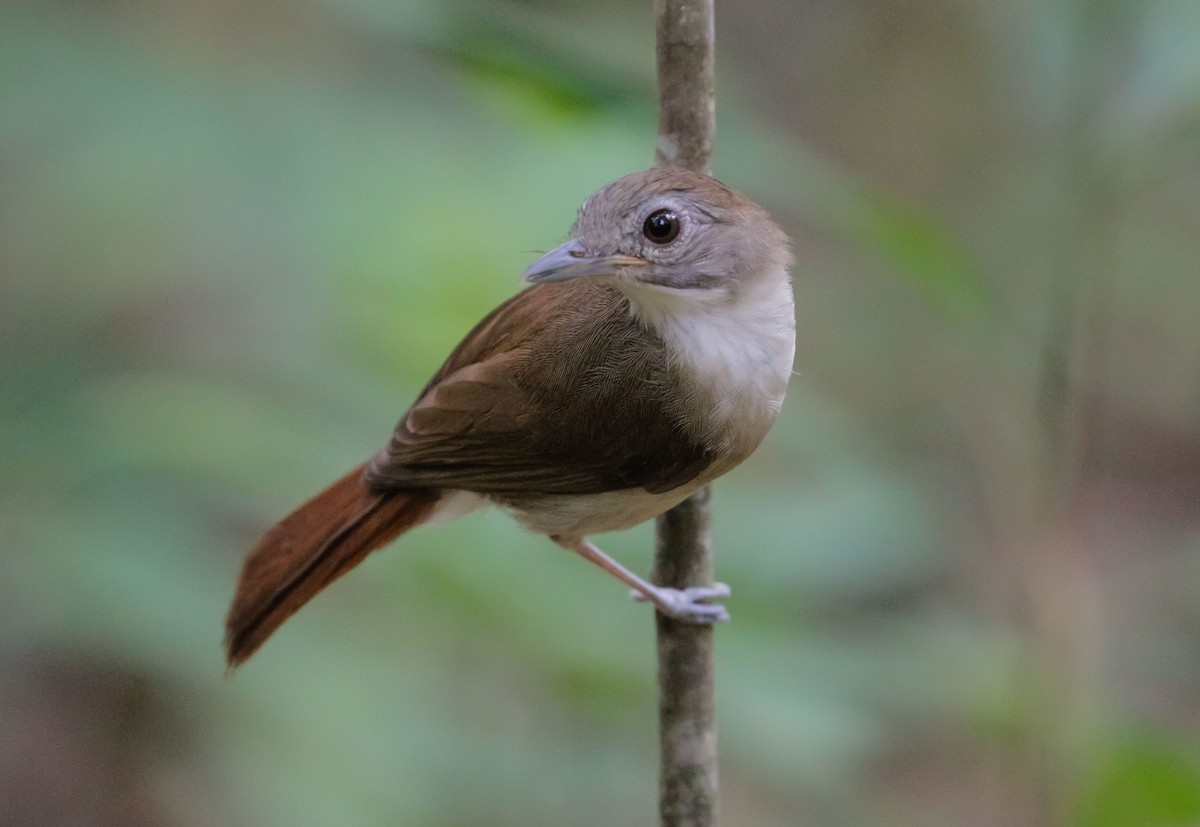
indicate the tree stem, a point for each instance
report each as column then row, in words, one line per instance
column 686, row 87
column 682, row 556
column 686, row 709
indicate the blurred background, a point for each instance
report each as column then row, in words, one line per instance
column 237, row 238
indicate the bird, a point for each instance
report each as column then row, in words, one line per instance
column 648, row 355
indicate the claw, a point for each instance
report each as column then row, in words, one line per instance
column 682, row 604
column 688, row 604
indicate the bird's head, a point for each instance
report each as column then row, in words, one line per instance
column 669, row 230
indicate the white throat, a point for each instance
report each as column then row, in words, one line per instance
column 737, row 345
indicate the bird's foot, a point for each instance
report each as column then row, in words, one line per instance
column 687, row 605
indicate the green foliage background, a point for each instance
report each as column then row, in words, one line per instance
column 235, row 239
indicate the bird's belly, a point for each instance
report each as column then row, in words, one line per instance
column 455, row 504
column 577, row 515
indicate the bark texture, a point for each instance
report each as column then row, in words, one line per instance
column 686, row 711
column 686, row 97
column 683, row 554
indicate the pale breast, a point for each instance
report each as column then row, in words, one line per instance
column 736, row 349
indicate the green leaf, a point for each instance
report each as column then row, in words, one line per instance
column 925, row 251
column 1147, row 781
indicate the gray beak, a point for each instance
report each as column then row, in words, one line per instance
column 571, row 261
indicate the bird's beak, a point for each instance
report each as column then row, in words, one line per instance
column 571, row 261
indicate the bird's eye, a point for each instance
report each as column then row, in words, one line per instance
column 661, row 227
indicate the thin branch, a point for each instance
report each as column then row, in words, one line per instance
column 682, row 557
column 686, row 87
column 686, row 709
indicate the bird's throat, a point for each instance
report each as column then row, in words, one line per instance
column 733, row 350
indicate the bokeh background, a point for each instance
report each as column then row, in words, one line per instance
column 236, row 238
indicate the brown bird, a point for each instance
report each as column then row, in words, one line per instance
column 650, row 356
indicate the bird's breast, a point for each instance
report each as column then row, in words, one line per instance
column 734, row 357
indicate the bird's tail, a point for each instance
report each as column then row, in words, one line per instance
column 309, row 549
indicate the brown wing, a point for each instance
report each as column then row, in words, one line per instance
column 557, row 391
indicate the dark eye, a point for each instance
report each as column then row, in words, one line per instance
column 661, row 227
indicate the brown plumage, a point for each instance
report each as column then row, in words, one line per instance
column 310, row 548
column 473, row 428
column 647, row 359
column 512, row 412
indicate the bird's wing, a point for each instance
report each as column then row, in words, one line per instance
column 558, row 391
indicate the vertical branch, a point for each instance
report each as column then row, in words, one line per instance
column 686, row 90
column 682, row 556
column 687, row 772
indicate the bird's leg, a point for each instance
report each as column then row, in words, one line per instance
column 682, row 604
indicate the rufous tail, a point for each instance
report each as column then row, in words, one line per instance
column 309, row 549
